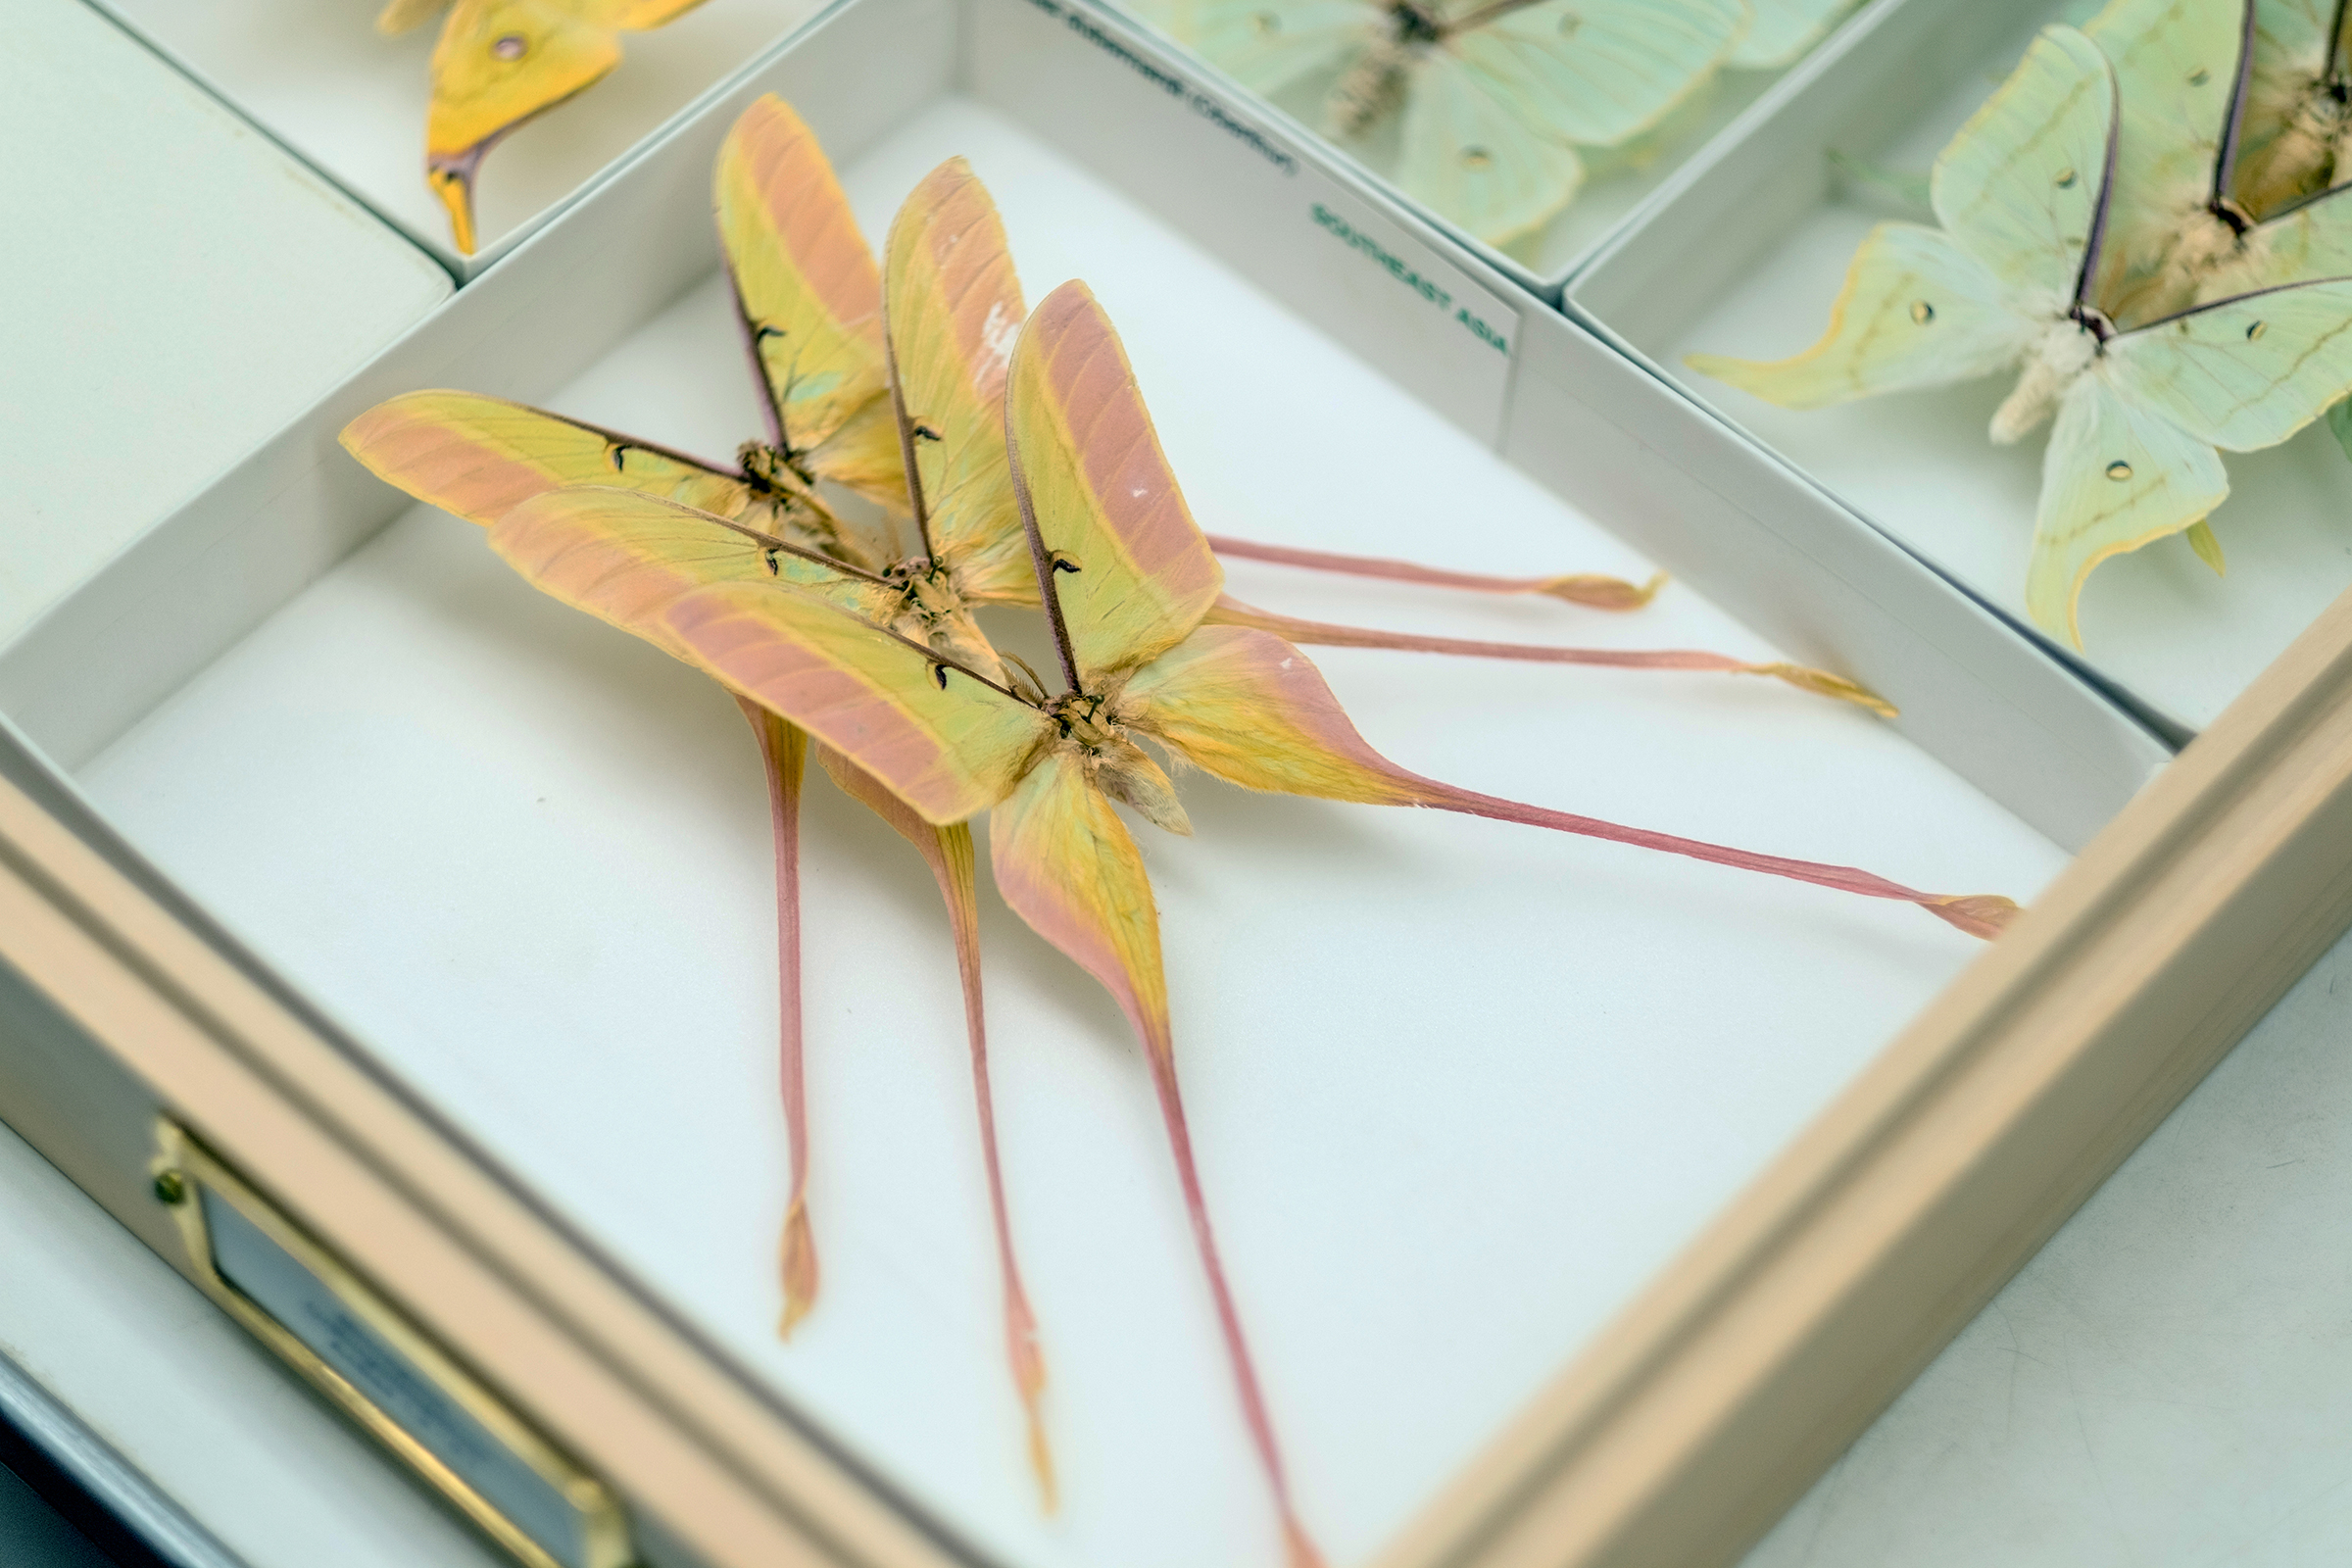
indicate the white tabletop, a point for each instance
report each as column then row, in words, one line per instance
column 2166, row 1385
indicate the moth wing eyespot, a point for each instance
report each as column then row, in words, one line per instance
column 1063, row 563
column 938, row 675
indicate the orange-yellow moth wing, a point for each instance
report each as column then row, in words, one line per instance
column 496, row 64
column 1134, row 572
column 953, row 307
column 1065, row 863
column 810, row 299
column 626, row 557
column 482, row 456
column 945, row 744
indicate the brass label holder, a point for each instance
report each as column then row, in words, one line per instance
column 383, row 1371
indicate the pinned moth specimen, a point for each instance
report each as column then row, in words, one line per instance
column 500, row 62
column 1126, row 580
column 833, row 382
column 1492, row 97
column 909, row 413
column 810, row 301
column 2027, row 195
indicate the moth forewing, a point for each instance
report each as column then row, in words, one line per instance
column 953, row 308
column 1134, row 572
column 1781, row 31
column 2022, row 185
column 810, row 298
column 624, row 556
column 479, row 457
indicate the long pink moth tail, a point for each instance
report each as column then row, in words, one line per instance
column 1980, row 915
column 1300, row 1546
column 1593, row 589
column 952, row 863
column 1245, row 1374
column 784, row 749
column 947, row 850
column 1231, row 612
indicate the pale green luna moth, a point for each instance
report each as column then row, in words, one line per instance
column 2026, row 194
column 1494, row 96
